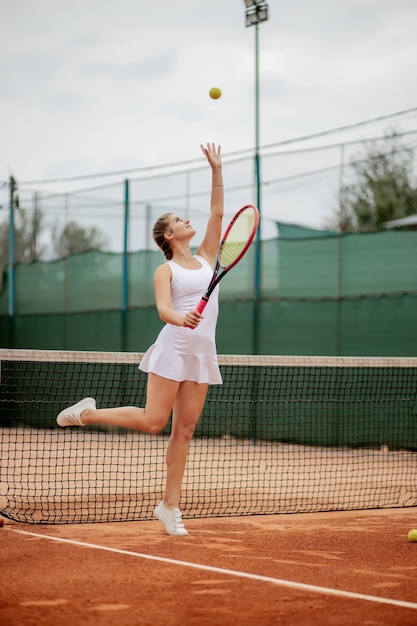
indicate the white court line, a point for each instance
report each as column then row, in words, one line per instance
column 230, row 572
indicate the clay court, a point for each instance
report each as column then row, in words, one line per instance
column 305, row 525
column 339, row 568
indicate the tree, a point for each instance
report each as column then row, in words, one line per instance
column 383, row 188
column 73, row 239
column 26, row 242
column 29, row 231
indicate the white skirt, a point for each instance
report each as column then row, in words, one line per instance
column 168, row 363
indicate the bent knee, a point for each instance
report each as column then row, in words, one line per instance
column 156, row 427
column 156, row 423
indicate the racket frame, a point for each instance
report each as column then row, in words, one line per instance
column 221, row 271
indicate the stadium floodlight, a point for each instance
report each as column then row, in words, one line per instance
column 256, row 12
column 253, row 3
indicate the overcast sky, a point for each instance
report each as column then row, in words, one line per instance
column 91, row 86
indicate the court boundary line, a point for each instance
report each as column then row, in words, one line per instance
column 228, row 572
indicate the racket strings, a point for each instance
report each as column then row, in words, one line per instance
column 230, row 252
column 236, row 238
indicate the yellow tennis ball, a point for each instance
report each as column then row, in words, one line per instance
column 412, row 536
column 215, row 93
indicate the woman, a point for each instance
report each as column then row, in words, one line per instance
column 182, row 362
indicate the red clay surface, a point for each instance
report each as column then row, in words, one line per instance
column 47, row 582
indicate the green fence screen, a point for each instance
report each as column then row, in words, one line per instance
column 321, row 294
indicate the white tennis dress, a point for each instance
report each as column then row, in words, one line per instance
column 180, row 353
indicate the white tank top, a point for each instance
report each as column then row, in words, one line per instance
column 180, row 353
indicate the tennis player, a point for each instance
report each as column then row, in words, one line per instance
column 182, row 362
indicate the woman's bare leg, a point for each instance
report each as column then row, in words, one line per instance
column 160, row 397
column 187, row 409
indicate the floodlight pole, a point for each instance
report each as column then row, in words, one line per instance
column 11, row 275
column 257, row 169
column 256, row 12
column 125, row 280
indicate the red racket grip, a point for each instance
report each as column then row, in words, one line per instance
column 200, row 307
column 202, row 304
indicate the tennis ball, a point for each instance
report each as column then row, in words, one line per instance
column 412, row 536
column 215, row 93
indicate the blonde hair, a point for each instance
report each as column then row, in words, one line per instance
column 162, row 226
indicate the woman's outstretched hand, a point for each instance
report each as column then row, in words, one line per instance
column 212, row 154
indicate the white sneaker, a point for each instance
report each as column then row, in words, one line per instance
column 172, row 520
column 72, row 415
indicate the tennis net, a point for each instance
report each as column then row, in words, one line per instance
column 281, row 435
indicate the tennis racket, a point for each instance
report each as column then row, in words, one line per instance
column 233, row 246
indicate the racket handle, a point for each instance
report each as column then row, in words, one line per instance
column 202, row 304
column 200, row 307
